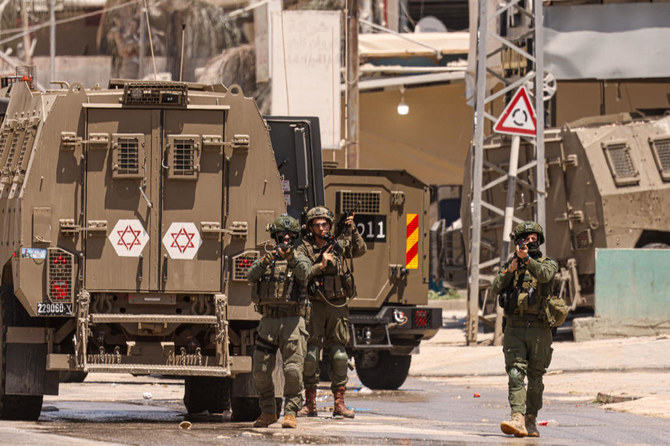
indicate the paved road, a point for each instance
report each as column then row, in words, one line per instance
column 429, row 411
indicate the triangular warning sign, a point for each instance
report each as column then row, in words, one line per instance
column 518, row 118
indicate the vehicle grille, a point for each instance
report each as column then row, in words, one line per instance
column 242, row 263
column 60, row 275
column 363, row 202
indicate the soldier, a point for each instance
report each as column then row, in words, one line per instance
column 280, row 296
column 524, row 284
column 331, row 286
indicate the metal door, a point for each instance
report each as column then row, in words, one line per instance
column 118, row 209
column 191, row 200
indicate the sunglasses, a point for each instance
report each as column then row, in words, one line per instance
column 321, row 225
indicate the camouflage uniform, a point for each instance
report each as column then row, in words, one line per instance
column 329, row 323
column 528, row 337
column 282, row 327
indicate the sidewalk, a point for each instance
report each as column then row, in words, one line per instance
column 636, row 369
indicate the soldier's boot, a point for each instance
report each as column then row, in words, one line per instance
column 265, row 420
column 531, row 426
column 289, row 421
column 340, row 409
column 516, row 426
column 309, row 409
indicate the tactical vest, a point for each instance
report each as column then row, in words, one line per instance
column 529, row 294
column 336, row 282
column 278, row 287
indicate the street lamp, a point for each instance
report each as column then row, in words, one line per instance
column 403, row 108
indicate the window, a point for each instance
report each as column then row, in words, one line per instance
column 127, row 156
column 621, row 163
column 183, row 156
column 661, row 150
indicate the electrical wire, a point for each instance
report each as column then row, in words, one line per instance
column 34, row 28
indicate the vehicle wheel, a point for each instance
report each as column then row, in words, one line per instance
column 380, row 370
column 14, row 407
column 206, row 393
column 245, row 408
column 72, row 377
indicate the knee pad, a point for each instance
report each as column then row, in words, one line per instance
column 516, row 377
column 293, row 379
column 311, row 360
column 339, row 359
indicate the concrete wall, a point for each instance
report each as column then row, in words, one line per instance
column 633, row 284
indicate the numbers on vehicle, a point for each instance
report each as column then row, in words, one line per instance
column 54, row 308
column 371, row 227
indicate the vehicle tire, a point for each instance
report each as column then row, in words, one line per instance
column 14, row 407
column 72, row 377
column 380, row 370
column 245, row 408
column 206, row 393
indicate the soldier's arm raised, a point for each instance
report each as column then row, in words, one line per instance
column 502, row 280
column 358, row 246
column 543, row 271
column 257, row 269
column 301, row 266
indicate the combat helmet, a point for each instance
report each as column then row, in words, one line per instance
column 525, row 228
column 319, row 212
column 285, row 223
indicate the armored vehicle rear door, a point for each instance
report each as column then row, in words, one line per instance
column 118, row 216
column 154, row 187
column 192, row 200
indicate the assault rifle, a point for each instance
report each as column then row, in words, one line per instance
column 340, row 228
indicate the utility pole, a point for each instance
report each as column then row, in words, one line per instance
column 52, row 39
column 352, row 105
column 516, row 27
column 26, row 34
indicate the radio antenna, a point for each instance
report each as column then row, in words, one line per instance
column 181, row 65
column 151, row 43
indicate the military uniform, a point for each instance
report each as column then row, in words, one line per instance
column 329, row 323
column 280, row 296
column 528, row 337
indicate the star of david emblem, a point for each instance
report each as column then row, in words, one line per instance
column 182, row 240
column 184, row 236
column 128, row 238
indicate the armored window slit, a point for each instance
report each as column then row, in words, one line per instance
column 183, row 156
column 128, row 160
column 621, row 164
column 127, row 156
column 661, row 149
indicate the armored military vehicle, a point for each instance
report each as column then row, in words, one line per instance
column 608, row 186
column 130, row 216
column 389, row 317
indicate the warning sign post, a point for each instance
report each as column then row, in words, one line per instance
column 518, row 118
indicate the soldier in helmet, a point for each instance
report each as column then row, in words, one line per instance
column 523, row 284
column 280, row 296
column 330, row 288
